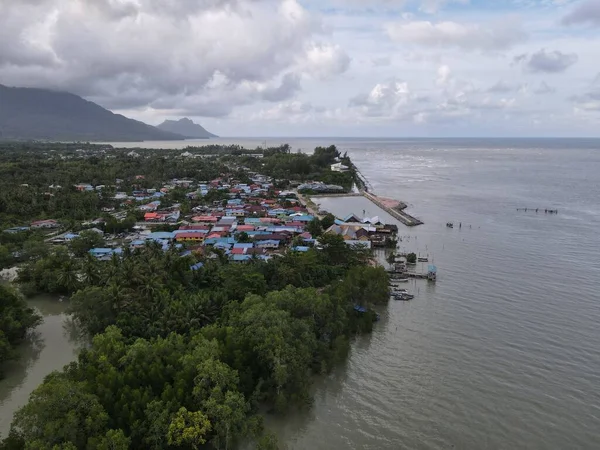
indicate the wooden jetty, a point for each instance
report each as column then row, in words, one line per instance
column 431, row 274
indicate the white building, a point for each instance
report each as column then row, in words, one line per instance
column 339, row 167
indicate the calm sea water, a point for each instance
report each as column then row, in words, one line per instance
column 504, row 351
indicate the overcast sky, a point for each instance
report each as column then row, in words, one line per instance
column 319, row 67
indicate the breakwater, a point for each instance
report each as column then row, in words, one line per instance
column 396, row 212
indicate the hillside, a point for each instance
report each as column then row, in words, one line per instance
column 29, row 113
column 185, row 127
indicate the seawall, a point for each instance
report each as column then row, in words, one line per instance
column 397, row 213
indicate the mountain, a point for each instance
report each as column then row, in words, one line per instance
column 28, row 113
column 186, row 128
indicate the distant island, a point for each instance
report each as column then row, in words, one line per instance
column 41, row 114
column 185, row 127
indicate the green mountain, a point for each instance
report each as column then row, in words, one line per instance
column 41, row 114
column 185, row 127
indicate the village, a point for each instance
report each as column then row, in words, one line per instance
column 247, row 221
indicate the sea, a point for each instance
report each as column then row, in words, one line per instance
column 503, row 351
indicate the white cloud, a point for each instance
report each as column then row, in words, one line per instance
column 448, row 34
column 443, row 75
column 325, row 60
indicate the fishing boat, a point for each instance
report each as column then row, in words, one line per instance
column 399, row 291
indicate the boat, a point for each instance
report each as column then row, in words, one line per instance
column 422, row 259
column 450, row 225
column 404, row 297
column 399, row 291
column 399, row 280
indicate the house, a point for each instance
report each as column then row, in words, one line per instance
column 243, row 245
column 197, row 266
column 196, row 227
column 301, row 248
column 241, row 258
column 16, row 230
column 245, row 228
column 372, row 220
column 271, row 237
column 205, row 219
column 339, row 167
column 190, row 237
column 49, row 223
column 152, row 206
column 81, row 187
column 161, row 235
column 268, row 243
column 352, row 218
column 105, row 254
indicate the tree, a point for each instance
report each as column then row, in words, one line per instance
column 112, row 440
column 268, row 441
column 85, row 242
column 243, row 237
column 327, row 221
column 188, row 429
column 15, row 320
column 314, row 227
column 60, row 411
column 411, row 258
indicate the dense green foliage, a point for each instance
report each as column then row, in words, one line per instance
column 179, row 358
column 15, row 319
column 184, row 359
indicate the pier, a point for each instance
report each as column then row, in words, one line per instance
column 396, row 212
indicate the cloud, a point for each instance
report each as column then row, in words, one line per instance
column 543, row 89
column 290, row 112
column 587, row 12
column 546, row 62
column 382, row 61
column 468, row 37
column 134, row 54
column 221, row 96
column 502, row 87
column 290, row 85
column 384, row 99
column 434, row 6
column 590, row 100
column 443, row 75
column 326, row 60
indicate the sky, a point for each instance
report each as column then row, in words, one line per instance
column 388, row 68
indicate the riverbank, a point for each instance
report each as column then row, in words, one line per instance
column 50, row 346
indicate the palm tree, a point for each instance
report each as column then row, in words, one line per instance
column 68, row 278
